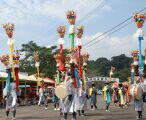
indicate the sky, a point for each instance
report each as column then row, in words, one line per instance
column 37, row 20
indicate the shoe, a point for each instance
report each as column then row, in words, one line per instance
column 13, row 118
column 55, row 109
column 46, row 108
column 58, row 109
column 63, row 119
column 83, row 115
column 73, row 119
column 91, row 109
column 61, row 113
column 137, row 118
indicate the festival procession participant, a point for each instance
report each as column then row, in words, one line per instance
column 126, row 85
column 41, row 96
column 93, row 96
column 46, row 96
column 121, row 95
column 11, row 99
column 55, row 101
column 107, row 95
column 115, row 93
column 83, row 101
column 65, row 102
column 138, row 101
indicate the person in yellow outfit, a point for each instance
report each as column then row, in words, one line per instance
column 121, row 95
column 107, row 95
column 93, row 96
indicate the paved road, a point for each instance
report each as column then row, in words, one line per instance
column 39, row 113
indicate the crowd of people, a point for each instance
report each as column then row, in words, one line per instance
column 79, row 101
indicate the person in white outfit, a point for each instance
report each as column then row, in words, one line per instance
column 41, row 95
column 11, row 99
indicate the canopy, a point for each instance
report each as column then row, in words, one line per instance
column 28, row 78
column 21, row 76
column 48, row 80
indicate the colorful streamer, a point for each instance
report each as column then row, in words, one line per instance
column 8, row 80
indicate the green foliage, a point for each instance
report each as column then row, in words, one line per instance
column 47, row 61
column 101, row 67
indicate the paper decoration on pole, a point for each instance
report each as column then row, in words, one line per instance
column 61, row 31
column 134, row 55
column 57, row 59
column 5, row 60
column 139, row 20
column 36, row 58
column 67, row 61
column 71, row 16
column 85, row 59
column 9, row 28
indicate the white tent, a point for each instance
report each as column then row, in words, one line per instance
column 28, row 78
column 21, row 76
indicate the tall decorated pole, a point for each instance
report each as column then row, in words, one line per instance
column 5, row 59
column 71, row 16
column 85, row 61
column 135, row 65
column 9, row 28
column 79, row 45
column 139, row 20
column 132, row 73
column 144, row 71
column 57, row 59
column 37, row 65
column 112, row 72
column 61, row 33
column 16, row 64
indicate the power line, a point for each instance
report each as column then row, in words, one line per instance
column 111, row 29
column 101, row 5
column 108, row 34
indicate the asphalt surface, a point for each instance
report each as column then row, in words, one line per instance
column 39, row 113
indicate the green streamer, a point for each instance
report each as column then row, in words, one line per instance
column 58, row 78
column 84, row 77
column 72, row 36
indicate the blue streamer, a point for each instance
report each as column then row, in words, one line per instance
column 77, row 77
column 8, row 81
column 132, row 77
column 108, row 96
column 141, row 64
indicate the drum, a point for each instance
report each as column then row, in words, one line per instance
column 136, row 92
column 63, row 89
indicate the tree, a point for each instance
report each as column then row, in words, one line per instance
column 47, row 61
column 102, row 66
column 120, row 62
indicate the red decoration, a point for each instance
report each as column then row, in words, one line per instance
column 71, row 16
column 17, row 78
column 139, row 20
